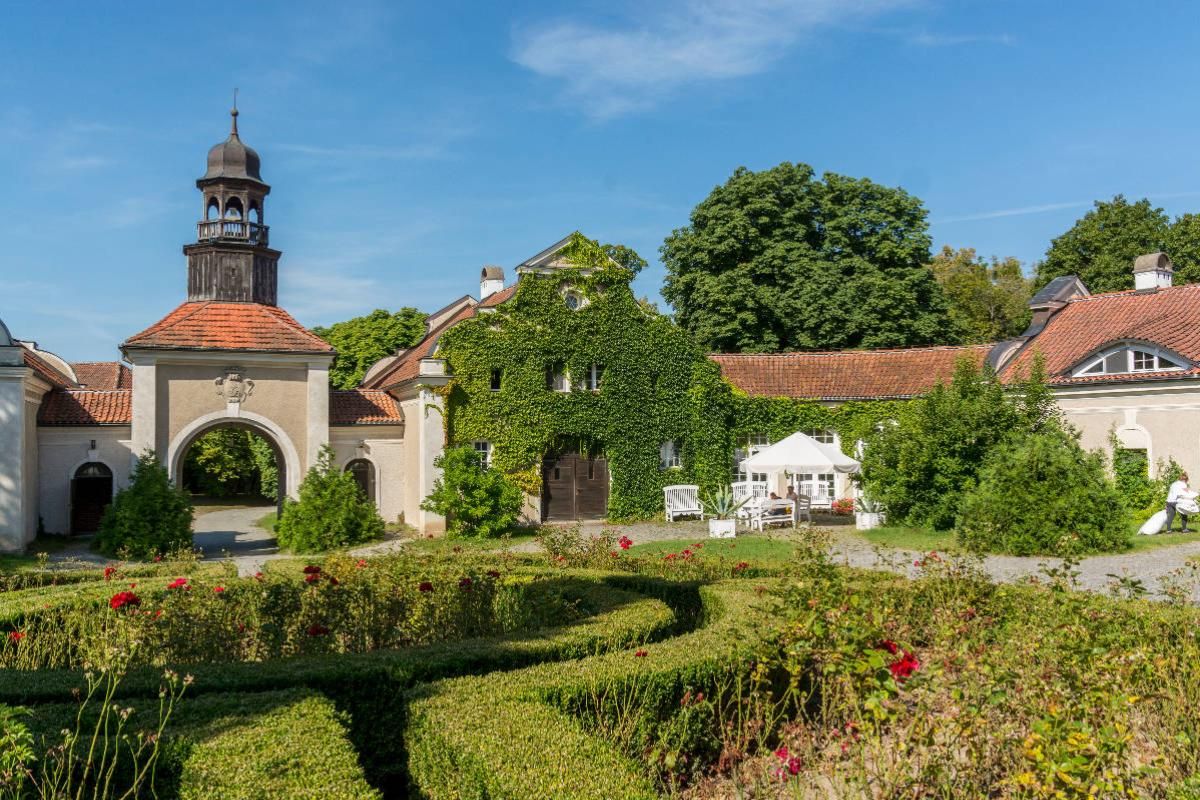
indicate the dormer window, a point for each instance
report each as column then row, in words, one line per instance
column 1130, row 359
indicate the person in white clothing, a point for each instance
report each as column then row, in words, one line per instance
column 1178, row 491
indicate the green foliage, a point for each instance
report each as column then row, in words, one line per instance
column 1043, row 494
column 362, row 341
column 625, row 257
column 1101, row 246
column 149, row 517
column 331, row 511
column 989, row 301
column 230, row 462
column 921, row 462
column 476, row 502
column 720, row 502
column 656, row 385
column 779, row 260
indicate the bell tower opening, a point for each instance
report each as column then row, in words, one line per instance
column 231, row 260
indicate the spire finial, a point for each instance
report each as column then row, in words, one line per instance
column 234, row 114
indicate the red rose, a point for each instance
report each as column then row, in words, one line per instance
column 425, row 586
column 122, row 599
column 741, row 565
column 333, row 581
column 258, row 576
column 904, row 666
column 465, row 584
column 317, row 629
column 312, row 570
column 218, row 589
column 108, row 572
column 640, row 654
column 782, row 753
column 362, row 563
column 625, row 542
column 15, row 636
column 670, row 556
column 178, row 583
column 890, row 646
column 312, row 577
column 493, row 573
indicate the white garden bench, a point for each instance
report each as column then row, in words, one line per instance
column 682, row 500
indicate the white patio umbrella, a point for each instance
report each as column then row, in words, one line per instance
column 801, row 453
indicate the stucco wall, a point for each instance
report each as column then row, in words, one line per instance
column 424, row 440
column 62, row 451
column 1164, row 418
column 12, row 426
column 384, row 447
column 30, row 438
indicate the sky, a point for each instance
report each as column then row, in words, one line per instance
column 408, row 144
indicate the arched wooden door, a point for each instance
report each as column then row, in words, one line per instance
column 363, row 472
column 574, row 487
column 91, row 493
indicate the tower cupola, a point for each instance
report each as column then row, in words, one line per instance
column 230, row 260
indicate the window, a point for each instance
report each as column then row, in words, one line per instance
column 668, row 455
column 748, row 446
column 574, row 300
column 823, row 435
column 818, row 486
column 591, row 381
column 484, row 449
column 363, row 472
column 1126, row 359
column 557, row 379
column 497, row 374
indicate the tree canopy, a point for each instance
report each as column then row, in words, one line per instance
column 781, row 260
column 362, row 341
column 989, row 300
column 1101, row 246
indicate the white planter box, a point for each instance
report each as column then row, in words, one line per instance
column 722, row 528
column 865, row 522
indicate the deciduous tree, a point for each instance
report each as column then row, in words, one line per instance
column 781, row 260
column 362, row 341
column 989, row 300
column 1101, row 246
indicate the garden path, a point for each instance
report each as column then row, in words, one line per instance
column 1149, row 567
column 234, row 531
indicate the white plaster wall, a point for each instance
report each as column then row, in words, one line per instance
column 62, row 451
column 424, row 440
column 383, row 446
column 12, row 458
column 29, row 437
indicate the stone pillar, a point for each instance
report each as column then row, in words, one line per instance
column 318, row 412
column 144, row 435
column 13, row 522
column 431, row 432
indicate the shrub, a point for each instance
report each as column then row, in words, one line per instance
column 920, row 466
column 151, row 516
column 476, row 502
column 1044, row 494
column 331, row 511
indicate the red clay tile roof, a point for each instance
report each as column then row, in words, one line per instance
column 846, row 374
column 84, row 407
column 46, row 370
column 407, row 365
column 229, row 326
column 363, row 407
column 103, row 375
column 1167, row 317
column 493, row 300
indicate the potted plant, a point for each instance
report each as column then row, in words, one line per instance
column 868, row 513
column 722, row 507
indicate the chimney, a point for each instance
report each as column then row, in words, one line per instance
column 491, row 280
column 1153, row 271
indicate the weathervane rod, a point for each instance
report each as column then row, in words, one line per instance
column 234, row 112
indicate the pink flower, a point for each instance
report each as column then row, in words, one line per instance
column 178, row 583
column 793, row 765
column 782, row 753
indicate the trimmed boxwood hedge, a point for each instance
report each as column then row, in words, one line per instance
column 507, row 735
column 234, row 746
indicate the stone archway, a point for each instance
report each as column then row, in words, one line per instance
column 287, row 458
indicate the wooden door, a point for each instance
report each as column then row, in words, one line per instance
column 91, row 493
column 574, row 487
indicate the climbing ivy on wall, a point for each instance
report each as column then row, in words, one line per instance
column 657, row 386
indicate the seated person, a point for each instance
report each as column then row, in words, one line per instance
column 773, row 496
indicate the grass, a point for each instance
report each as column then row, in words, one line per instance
column 752, row 547
column 919, row 539
column 1141, row 543
column 268, row 521
column 47, row 543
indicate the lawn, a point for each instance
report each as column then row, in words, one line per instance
column 268, row 521
column 445, row 545
column 920, row 539
column 755, row 548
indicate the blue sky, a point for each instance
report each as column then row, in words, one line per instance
column 409, row 144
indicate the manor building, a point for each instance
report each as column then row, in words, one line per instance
column 1124, row 367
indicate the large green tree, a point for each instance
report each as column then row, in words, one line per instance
column 782, row 260
column 362, row 341
column 1101, row 246
column 989, row 300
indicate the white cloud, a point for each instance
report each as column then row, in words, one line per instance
column 1013, row 212
column 614, row 70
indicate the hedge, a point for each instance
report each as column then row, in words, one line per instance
column 234, row 746
column 506, row 735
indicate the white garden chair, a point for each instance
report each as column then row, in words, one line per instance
column 682, row 500
column 773, row 512
column 751, row 491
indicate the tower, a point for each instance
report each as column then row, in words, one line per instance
column 230, row 260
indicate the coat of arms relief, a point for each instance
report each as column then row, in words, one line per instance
column 234, row 386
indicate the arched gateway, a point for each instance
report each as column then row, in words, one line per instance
column 228, row 356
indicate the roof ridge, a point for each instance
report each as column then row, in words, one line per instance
column 916, row 349
column 1133, row 292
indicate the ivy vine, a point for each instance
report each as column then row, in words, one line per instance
column 656, row 386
